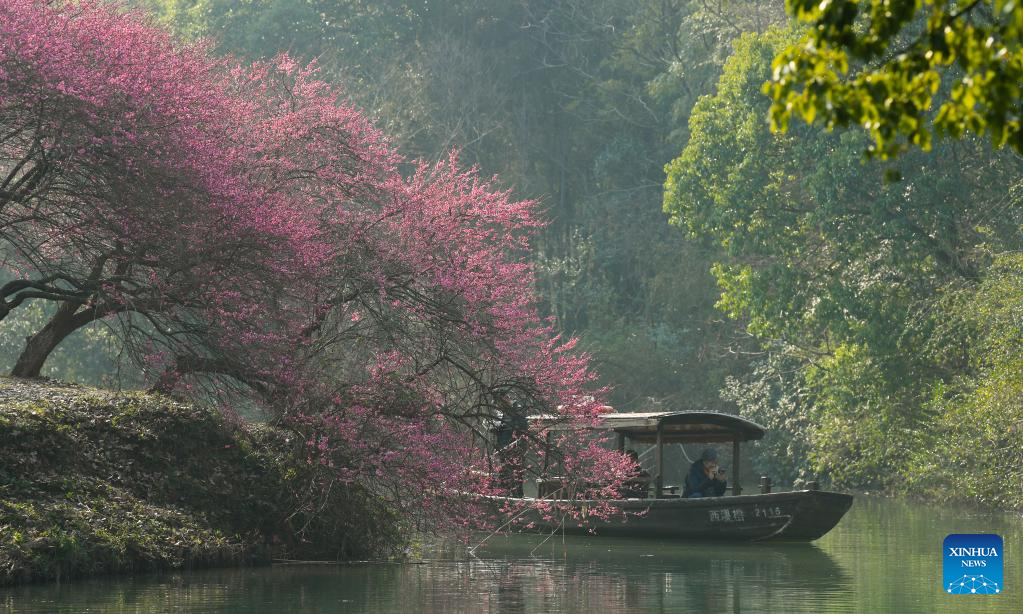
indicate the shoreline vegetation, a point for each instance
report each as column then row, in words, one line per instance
column 98, row 482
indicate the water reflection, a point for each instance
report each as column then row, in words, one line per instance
column 582, row 574
column 575, row 576
column 884, row 557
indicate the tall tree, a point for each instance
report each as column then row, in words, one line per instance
column 259, row 230
column 828, row 263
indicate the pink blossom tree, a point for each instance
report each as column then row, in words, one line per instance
column 253, row 235
column 127, row 184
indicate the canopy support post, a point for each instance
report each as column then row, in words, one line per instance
column 546, row 453
column 736, row 488
column 659, row 455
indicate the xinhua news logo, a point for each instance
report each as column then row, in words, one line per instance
column 973, row 564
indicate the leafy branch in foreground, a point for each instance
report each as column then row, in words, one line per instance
column 881, row 64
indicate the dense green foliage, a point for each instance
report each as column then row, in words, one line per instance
column 93, row 482
column 974, row 446
column 879, row 64
column 863, row 292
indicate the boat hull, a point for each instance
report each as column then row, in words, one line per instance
column 803, row 515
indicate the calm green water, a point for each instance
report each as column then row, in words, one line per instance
column 884, row 557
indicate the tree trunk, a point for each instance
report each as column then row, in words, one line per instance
column 39, row 346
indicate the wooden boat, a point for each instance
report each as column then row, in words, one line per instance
column 799, row 515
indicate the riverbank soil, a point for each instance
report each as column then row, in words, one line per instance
column 95, row 482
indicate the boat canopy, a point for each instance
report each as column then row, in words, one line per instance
column 674, row 426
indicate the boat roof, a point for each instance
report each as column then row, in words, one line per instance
column 675, row 426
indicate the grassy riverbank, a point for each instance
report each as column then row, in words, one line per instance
column 95, row 482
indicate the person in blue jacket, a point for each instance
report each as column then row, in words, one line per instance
column 706, row 478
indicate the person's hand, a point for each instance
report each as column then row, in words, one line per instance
column 720, row 475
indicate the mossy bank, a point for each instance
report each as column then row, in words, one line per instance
column 95, row 482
